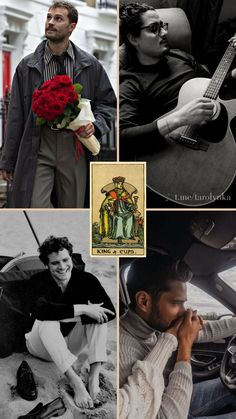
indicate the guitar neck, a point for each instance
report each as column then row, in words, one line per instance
column 220, row 73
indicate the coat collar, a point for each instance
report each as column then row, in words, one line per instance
column 82, row 58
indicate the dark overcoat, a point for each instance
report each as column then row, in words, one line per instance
column 23, row 136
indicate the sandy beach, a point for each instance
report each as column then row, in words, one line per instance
column 17, row 237
column 51, row 384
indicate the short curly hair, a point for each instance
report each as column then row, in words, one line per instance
column 53, row 244
column 131, row 20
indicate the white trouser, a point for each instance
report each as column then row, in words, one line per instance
column 46, row 341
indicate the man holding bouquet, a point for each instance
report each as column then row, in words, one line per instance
column 39, row 160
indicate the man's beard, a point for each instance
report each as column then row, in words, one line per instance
column 154, row 322
column 55, row 40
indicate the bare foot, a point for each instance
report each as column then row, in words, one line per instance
column 93, row 383
column 82, row 398
column 93, row 387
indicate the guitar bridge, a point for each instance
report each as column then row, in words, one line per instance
column 195, row 144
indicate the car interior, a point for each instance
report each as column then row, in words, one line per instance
column 206, row 241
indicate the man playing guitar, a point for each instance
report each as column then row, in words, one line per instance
column 150, row 80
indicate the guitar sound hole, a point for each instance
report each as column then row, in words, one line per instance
column 214, row 131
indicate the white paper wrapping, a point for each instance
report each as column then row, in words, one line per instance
column 85, row 116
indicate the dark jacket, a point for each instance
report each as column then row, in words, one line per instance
column 23, row 136
column 47, row 302
column 148, row 92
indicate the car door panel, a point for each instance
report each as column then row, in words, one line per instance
column 206, row 359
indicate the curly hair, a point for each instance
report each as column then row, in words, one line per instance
column 72, row 11
column 131, row 20
column 53, row 244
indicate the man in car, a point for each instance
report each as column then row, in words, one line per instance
column 155, row 325
column 70, row 310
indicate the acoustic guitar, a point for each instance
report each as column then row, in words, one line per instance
column 199, row 166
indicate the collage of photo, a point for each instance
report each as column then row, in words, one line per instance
column 118, row 209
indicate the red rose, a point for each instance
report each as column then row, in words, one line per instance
column 51, row 99
column 35, row 105
column 46, row 85
column 58, row 108
column 45, row 103
column 36, row 94
column 73, row 97
column 62, row 98
column 53, row 85
column 63, row 80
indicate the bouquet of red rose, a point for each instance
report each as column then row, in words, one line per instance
column 57, row 103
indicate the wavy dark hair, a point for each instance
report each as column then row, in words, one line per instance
column 131, row 20
column 53, row 244
column 72, row 11
column 153, row 275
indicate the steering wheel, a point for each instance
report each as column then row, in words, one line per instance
column 228, row 366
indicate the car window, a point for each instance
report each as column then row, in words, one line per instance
column 229, row 277
column 206, row 305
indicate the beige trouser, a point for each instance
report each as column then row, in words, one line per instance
column 46, row 341
column 58, row 169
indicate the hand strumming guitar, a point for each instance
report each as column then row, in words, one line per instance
column 196, row 112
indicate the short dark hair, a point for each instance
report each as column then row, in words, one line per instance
column 72, row 11
column 151, row 274
column 53, row 244
column 131, row 20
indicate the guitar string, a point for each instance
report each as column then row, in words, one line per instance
column 221, row 72
column 213, row 88
column 215, row 84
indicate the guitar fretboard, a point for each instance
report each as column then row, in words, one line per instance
column 220, row 73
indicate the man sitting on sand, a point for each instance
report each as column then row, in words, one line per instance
column 70, row 310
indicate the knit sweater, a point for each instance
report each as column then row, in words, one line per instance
column 144, row 353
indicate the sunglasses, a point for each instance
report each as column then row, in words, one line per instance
column 156, row 27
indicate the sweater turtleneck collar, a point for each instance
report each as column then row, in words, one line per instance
column 137, row 327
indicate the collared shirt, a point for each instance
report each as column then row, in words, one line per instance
column 51, row 66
